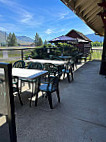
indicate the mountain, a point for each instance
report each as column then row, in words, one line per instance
column 24, row 38
column 28, row 40
column 94, row 37
column 3, row 36
column 20, row 39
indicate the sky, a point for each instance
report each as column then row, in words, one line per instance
column 49, row 18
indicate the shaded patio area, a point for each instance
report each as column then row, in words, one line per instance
column 80, row 117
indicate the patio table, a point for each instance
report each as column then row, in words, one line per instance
column 28, row 73
column 55, row 62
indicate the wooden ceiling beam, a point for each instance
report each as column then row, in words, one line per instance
column 86, row 5
column 79, row 2
column 92, row 7
column 87, row 10
column 90, row 18
column 93, row 12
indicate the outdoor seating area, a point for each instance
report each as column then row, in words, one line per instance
column 53, row 77
column 41, row 75
column 57, row 93
column 80, row 112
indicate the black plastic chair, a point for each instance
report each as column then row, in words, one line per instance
column 49, row 87
column 19, row 64
column 51, row 68
column 15, row 81
column 69, row 71
column 32, row 65
column 35, row 65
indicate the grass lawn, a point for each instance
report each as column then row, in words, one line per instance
column 97, row 54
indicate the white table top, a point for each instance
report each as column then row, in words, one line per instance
column 28, row 73
column 56, row 62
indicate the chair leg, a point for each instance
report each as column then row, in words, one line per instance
column 31, row 95
column 29, row 85
column 72, row 74
column 20, row 98
column 50, row 100
column 76, row 66
column 20, row 86
column 68, row 76
column 73, row 66
column 58, row 96
column 36, row 100
column 63, row 75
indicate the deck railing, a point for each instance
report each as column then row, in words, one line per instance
column 7, row 125
column 96, row 54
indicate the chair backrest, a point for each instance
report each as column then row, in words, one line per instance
column 19, row 64
column 35, row 65
column 54, row 81
column 51, row 68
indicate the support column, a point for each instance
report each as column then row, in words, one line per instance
column 103, row 62
column 103, row 16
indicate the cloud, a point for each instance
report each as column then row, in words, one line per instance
column 26, row 17
column 62, row 30
column 49, row 31
column 63, row 15
column 55, row 30
column 11, row 27
column 21, row 14
column 3, row 29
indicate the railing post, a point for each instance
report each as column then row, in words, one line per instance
column 7, row 106
column 22, row 54
column 10, row 104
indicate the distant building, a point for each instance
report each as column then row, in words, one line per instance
column 32, row 44
column 84, row 43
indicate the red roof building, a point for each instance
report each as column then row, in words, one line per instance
column 84, row 45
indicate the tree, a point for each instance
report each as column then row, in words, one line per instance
column 45, row 42
column 11, row 40
column 97, row 44
column 38, row 40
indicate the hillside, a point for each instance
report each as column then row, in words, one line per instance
column 20, row 39
column 24, row 38
column 94, row 37
column 2, row 36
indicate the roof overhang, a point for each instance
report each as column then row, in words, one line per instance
column 88, row 11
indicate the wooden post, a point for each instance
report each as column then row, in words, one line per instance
column 103, row 16
column 103, row 62
column 22, row 54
